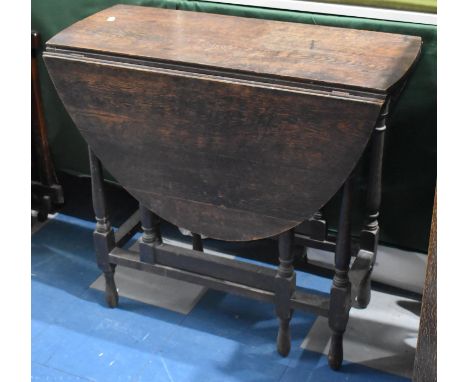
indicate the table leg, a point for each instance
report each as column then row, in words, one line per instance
column 104, row 240
column 319, row 229
column 197, row 243
column 370, row 233
column 285, row 285
column 150, row 224
column 340, row 295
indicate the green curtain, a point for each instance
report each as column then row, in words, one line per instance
column 428, row 6
column 410, row 154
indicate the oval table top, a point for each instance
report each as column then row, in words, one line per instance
column 221, row 154
column 338, row 57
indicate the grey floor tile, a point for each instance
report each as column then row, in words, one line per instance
column 383, row 336
column 178, row 296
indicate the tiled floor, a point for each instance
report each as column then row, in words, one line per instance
column 222, row 338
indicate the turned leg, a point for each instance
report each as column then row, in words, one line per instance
column 151, row 238
column 285, row 286
column 104, row 240
column 197, row 243
column 340, row 296
column 370, row 233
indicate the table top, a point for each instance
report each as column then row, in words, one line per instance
column 336, row 57
column 229, row 155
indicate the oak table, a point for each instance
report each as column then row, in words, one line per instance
column 236, row 129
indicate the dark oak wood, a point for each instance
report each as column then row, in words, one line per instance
column 151, row 238
column 309, row 53
column 285, row 287
column 233, row 128
column 47, row 174
column 370, row 233
column 209, row 277
column 197, row 242
column 229, row 175
column 47, row 193
column 425, row 364
column 104, row 239
column 340, row 294
column 257, row 139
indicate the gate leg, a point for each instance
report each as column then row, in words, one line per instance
column 340, row 296
column 370, row 233
column 104, row 240
column 285, row 286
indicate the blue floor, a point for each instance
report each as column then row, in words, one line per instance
column 75, row 337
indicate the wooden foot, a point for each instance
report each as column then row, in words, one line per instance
column 363, row 295
column 283, row 340
column 197, row 243
column 335, row 353
column 112, row 297
column 44, row 208
column 360, row 277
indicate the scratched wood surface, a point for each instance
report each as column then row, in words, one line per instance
column 310, row 53
column 219, row 154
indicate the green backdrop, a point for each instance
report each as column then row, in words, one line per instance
column 410, row 153
column 429, row 6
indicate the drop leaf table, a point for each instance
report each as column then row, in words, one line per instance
column 236, row 129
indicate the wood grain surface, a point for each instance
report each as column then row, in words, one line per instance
column 425, row 364
column 230, row 127
column 230, row 159
column 339, row 57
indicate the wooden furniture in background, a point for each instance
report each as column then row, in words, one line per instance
column 231, row 137
column 46, row 192
column 425, row 364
